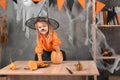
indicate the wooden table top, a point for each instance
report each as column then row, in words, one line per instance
column 89, row 69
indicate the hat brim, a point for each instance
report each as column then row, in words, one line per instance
column 31, row 22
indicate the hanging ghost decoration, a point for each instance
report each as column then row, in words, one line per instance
column 27, row 9
column 27, row 2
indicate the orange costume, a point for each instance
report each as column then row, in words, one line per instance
column 46, row 44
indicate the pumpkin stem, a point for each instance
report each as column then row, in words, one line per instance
column 78, row 62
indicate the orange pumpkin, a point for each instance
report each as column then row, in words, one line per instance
column 56, row 57
column 32, row 65
column 78, row 66
column 12, row 66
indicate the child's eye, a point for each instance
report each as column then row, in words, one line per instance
column 44, row 26
column 39, row 27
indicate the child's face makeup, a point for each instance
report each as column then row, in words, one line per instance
column 42, row 27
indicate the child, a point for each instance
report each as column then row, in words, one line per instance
column 47, row 39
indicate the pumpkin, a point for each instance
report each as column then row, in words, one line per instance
column 32, row 65
column 107, row 54
column 56, row 57
column 78, row 66
column 12, row 66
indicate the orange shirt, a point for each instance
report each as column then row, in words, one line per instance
column 46, row 44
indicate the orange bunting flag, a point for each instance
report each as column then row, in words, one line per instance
column 37, row 0
column 3, row 4
column 99, row 6
column 60, row 4
column 82, row 3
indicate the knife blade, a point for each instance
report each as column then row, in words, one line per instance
column 69, row 70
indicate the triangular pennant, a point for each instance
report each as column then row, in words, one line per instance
column 60, row 4
column 15, row 1
column 36, row 0
column 82, row 3
column 70, row 4
column 99, row 6
column 118, row 17
column 3, row 4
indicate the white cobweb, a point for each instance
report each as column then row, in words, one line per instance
column 100, row 39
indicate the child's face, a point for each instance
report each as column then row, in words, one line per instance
column 42, row 27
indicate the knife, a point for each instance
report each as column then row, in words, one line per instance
column 69, row 70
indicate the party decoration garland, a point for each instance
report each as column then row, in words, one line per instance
column 3, row 4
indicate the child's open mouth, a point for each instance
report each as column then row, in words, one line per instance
column 43, row 30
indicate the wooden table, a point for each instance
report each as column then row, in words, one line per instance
column 52, row 72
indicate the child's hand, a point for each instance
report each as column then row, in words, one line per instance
column 39, row 57
column 57, row 49
column 40, row 63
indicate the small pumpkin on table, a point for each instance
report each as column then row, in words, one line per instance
column 78, row 66
column 12, row 65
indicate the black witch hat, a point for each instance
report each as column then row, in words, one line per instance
column 31, row 22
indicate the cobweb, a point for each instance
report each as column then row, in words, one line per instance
column 100, row 42
column 100, row 39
